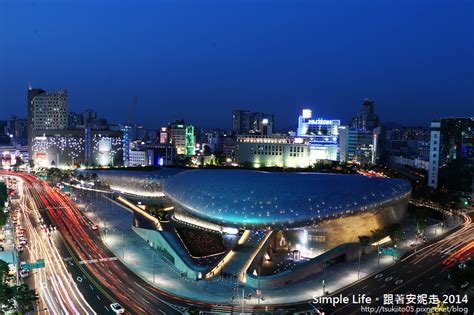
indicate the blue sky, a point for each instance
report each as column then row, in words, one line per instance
column 199, row 60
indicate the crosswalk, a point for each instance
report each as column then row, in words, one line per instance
column 222, row 309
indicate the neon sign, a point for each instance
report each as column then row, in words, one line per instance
column 320, row 121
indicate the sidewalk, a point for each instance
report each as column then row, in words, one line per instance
column 153, row 267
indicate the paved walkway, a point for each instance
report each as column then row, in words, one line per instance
column 115, row 225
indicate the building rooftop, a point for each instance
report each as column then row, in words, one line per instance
column 244, row 198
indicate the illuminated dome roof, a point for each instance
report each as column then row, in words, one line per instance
column 243, row 198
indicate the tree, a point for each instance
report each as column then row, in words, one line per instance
column 364, row 241
column 3, row 217
column 421, row 215
column 3, row 194
column 393, row 230
column 6, row 296
column 4, row 270
column 25, row 297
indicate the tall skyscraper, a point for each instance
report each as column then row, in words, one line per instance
column 451, row 140
column 322, row 135
column 366, row 119
column 32, row 93
column 240, row 121
column 46, row 111
column 245, row 122
column 50, row 111
column 182, row 137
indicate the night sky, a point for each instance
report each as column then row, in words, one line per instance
column 199, row 60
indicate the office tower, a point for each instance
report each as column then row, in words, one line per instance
column 88, row 117
column 321, row 134
column 74, row 120
column 245, row 122
column 451, row 140
column 366, row 119
column 261, row 124
column 32, row 93
column 182, row 137
column 240, row 121
column 50, row 111
column 17, row 128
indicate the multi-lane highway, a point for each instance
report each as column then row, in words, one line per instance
column 89, row 262
column 58, row 291
column 423, row 271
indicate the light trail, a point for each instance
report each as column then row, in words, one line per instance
column 62, row 296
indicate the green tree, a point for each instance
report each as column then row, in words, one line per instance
column 25, row 297
column 3, row 217
column 4, row 270
column 393, row 230
column 6, row 296
column 3, row 194
column 364, row 241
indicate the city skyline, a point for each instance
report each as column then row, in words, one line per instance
column 296, row 59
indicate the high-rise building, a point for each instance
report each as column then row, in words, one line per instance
column 74, row 120
column 240, row 121
column 245, row 122
column 451, row 140
column 261, row 124
column 32, row 93
column 182, row 137
column 366, row 119
column 17, row 129
column 88, row 117
column 50, row 111
column 322, row 135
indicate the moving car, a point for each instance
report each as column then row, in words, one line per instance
column 24, row 273
column 117, row 308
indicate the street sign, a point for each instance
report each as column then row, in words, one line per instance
column 390, row 251
column 35, row 265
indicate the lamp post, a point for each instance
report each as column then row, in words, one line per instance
column 324, row 276
column 123, row 246
column 358, row 267
column 378, row 256
column 153, row 265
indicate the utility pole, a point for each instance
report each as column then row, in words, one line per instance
column 358, row 267
column 243, row 288
column 123, row 246
column 324, row 276
column 378, row 256
column 153, row 264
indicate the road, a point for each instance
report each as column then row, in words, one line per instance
column 89, row 262
column 422, row 271
column 58, row 293
column 82, row 262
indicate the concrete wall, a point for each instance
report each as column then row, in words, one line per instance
column 159, row 242
column 302, row 271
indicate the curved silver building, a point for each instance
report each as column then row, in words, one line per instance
column 262, row 200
